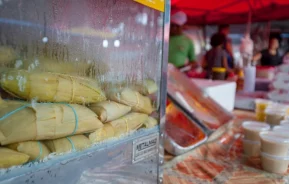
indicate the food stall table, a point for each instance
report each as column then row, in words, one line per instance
column 220, row 161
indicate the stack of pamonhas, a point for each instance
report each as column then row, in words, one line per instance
column 67, row 113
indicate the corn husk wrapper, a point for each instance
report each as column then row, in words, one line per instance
column 146, row 87
column 109, row 110
column 151, row 122
column 7, row 55
column 35, row 149
column 51, row 87
column 46, row 64
column 104, row 133
column 28, row 122
column 123, row 125
column 10, row 158
column 71, row 143
column 134, row 99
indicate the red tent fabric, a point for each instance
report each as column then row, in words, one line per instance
column 231, row 11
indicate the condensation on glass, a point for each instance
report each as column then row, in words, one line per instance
column 116, row 43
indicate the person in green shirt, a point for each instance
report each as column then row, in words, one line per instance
column 181, row 47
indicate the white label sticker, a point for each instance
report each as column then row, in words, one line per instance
column 145, row 147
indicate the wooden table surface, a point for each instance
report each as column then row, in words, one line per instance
column 221, row 161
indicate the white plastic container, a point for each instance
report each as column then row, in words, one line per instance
column 249, row 78
column 223, row 92
column 282, row 129
column 274, row 164
column 285, row 122
column 275, row 115
column 275, row 143
column 253, row 128
column 251, row 148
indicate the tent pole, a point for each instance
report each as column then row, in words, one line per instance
column 249, row 23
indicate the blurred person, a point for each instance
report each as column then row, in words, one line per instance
column 286, row 54
column 227, row 45
column 216, row 57
column 246, row 51
column 181, row 47
column 270, row 56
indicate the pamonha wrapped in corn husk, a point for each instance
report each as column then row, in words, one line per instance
column 134, row 99
column 35, row 149
column 71, row 143
column 51, row 87
column 151, row 122
column 7, row 56
column 109, row 110
column 21, row 122
column 123, row 125
column 145, row 87
column 46, row 64
column 10, row 158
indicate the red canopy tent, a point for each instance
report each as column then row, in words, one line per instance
column 231, row 11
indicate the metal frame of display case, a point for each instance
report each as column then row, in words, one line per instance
column 164, row 86
column 109, row 162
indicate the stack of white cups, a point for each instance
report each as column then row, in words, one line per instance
column 274, row 150
column 251, row 141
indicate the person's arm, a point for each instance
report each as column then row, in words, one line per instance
column 257, row 58
column 229, row 48
column 191, row 55
column 225, row 63
column 204, row 62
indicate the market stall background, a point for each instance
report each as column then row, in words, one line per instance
column 222, row 160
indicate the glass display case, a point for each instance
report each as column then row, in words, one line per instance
column 83, row 91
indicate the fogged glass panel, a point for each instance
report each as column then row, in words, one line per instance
column 75, row 73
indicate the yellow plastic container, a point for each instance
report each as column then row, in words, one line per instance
column 261, row 116
column 261, row 104
column 219, row 73
column 219, row 69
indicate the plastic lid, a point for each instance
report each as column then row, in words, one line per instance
column 282, row 129
column 278, row 106
column 275, row 136
column 219, row 69
column 285, row 126
column 273, row 156
column 260, row 100
column 256, row 126
column 251, row 142
column 276, row 111
column 284, row 122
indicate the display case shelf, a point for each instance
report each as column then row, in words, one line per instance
column 111, row 156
